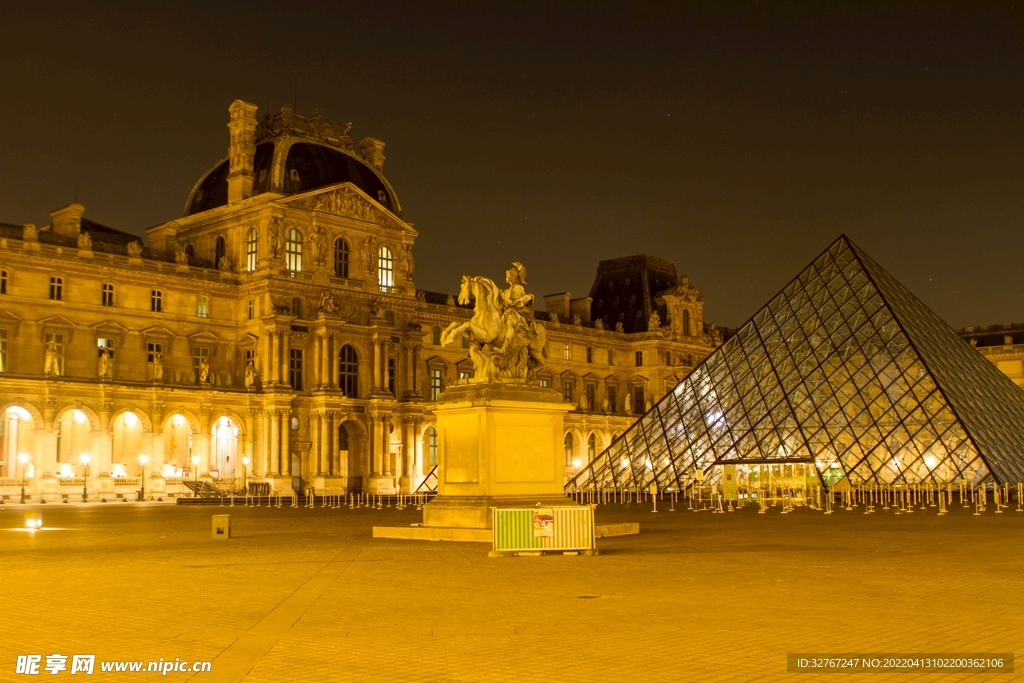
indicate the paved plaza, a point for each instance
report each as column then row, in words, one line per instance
column 308, row 595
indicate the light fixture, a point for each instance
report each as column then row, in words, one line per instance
column 23, row 458
column 930, row 461
column 79, row 416
column 576, row 463
column 143, row 459
column 84, row 458
column 195, row 459
column 245, row 461
column 130, row 419
column 178, row 420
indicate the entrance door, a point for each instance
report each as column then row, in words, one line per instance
column 297, row 472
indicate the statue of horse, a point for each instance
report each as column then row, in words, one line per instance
column 503, row 343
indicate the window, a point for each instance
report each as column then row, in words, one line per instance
column 569, row 447
column 591, row 448
column 293, row 251
column 203, row 306
column 591, row 394
column 56, row 288
column 435, row 384
column 639, row 358
column 612, row 398
column 463, row 374
column 431, row 446
column 545, row 383
column 107, row 295
column 567, row 392
column 391, row 375
column 58, row 351
column 385, row 269
column 155, row 359
column 295, row 369
column 252, row 253
column 611, row 357
column 686, row 322
column 250, row 357
column 638, row 401
column 3, row 350
column 348, row 371
column 250, row 309
column 465, row 342
column 340, row 257
column 297, row 307
column 156, row 300
column 590, row 355
column 435, row 336
column 3, row 281
column 108, row 346
column 566, row 352
column 219, row 251
column 200, row 357
column 190, row 253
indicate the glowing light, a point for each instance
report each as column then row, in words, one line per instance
column 66, row 471
column 84, row 458
column 78, row 416
column 23, row 458
column 576, row 463
column 34, row 523
column 130, row 419
column 625, row 463
column 118, row 471
column 168, row 470
column 648, row 464
column 143, row 459
column 930, row 461
column 195, row 459
column 178, row 420
column 18, row 413
column 245, row 461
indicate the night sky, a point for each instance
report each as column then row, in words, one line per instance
column 737, row 140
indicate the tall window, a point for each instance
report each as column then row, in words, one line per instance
column 385, row 269
column 639, row 358
column 686, row 322
column 56, row 288
column 611, row 357
column 219, row 251
column 431, row 446
column 3, row 281
column 203, row 306
column 435, row 384
column 566, row 352
column 3, row 350
column 156, row 300
column 348, row 371
column 340, row 257
column 590, row 355
column 190, row 253
column 293, row 251
column 568, row 445
column 154, row 358
column 58, row 347
column 591, row 448
column 392, row 371
column 108, row 294
column 591, row 394
column 295, row 369
column 613, row 397
column 108, row 346
column 252, row 242
column 567, row 392
column 297, row 306
column 435, row 336
column 250, row 309
column 638, row 401
column 199, row 355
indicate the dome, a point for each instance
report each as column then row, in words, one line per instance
column 299, row 156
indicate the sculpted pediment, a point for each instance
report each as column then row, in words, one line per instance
column 204, row 336
column 10, row 320
column 109, row 326
column 349, row 201
column 56, row 321
column 158, row 331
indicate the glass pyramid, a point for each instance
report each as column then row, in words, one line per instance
column 844, row 369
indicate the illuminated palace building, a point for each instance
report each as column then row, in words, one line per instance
column 274, row 334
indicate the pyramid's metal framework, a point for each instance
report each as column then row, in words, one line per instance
column 844, row 369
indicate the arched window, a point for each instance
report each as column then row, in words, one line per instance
column 252, row 240
column 348, row 371
column 293, row 251
column 431, row 447
column 219, row 251
column 385, row 269
column 190, row 253
column 568, row 450
column 591, row 448
column 686, row 322
column 340, row 257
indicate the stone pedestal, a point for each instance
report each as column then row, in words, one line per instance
column 498, row 445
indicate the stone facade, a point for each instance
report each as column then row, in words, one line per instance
column 275, row 334
column 1001, row 344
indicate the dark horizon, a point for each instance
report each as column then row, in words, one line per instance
column 736, row 140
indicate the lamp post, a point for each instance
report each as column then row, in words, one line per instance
column 245, row 472
column 23, row 459
column 143, row 459
column 195, row 476
column 84, row 459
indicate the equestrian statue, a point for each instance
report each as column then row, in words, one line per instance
column 506, row 343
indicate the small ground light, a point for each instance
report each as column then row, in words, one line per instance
column 33, row 521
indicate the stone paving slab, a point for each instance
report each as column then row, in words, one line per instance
column 301, row 594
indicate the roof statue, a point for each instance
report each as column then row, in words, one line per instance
column 506, row 343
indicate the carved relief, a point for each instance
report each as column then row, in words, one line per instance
column 84, row 241
column 135, row 249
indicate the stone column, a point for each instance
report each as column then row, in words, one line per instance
column 274, row 434
column 250, row 438
column 385, row 355
column 242, row 146
column 375, row 445
column 416, row 369
column 204, row 440
column 408, row 454
column 285, row 348
column 286, row 453
column 376, row 364
column 324, row 468
column 417, row 443
column 268, row 352
column 335, row 464
column 385, row 444
column 325, row 362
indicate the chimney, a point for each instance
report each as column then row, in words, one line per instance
column 372, row 150
column 68, row 221
column 241, row 148
column 558, row 304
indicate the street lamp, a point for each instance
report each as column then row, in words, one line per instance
column 84, row 459
column 245, row 472
column 195, row 476
column 143, row 459
column 23, row 459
